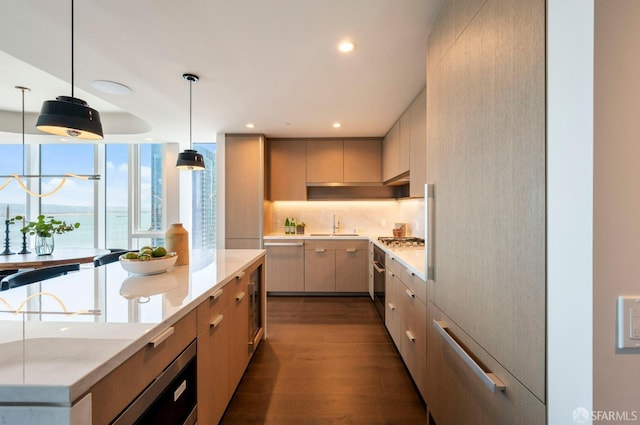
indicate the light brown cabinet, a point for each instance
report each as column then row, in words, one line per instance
column 287, row 165
column 286, row 265
column 325, row 159
column 406, row 317
column 418, row 146
column 351, row 267
column 239, row 352
column 116, row 390
column 391, row 153
column 362, row 160
column 490, row 278
column 213, row 357
column 244, row 190
column 335, row 266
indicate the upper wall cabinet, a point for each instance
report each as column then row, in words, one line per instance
column 324, row 161
column 287, row 165
column 404, row 147
column 362, row 161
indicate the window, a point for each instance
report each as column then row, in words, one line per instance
column 12, row 195
column 116, row 181
column 203, row 210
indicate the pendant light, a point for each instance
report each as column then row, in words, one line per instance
column 190, row 159
column 68, row 115
column 20, row 177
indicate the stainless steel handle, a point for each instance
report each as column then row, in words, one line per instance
column 240, row 275
column 267, row 244
column 488, row 378
column 377, row 267
column 351, row 250
column 217, row 294
column 161, row 337
column 409, row 293
column 410, row 336
column 320, row 250
column 392, row 306
column 240, row 296
column 216, row 322
column 429, row 231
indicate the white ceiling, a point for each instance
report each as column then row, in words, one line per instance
column 271, row 62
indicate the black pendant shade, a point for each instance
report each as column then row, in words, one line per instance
column 190, row 160
column 70, row 116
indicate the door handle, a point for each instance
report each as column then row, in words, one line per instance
column 489, row 379
column 240, row 296
column 217, row 294
column 161, row 337
column 216, row 322
column 429, row 231
column 410, row 336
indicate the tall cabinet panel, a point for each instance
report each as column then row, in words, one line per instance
column 244, row 190
column 486, row 159
column 287, row 165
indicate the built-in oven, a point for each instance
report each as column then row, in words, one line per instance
column 379, row 286
column 170, row 399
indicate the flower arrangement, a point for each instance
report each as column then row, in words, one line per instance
column 45, row 226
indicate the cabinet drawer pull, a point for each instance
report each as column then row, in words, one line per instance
column 351, row 250
column 267, row 244
column 216, row 322
column 240, row 296
column 410, row 294
column 161, row 337
column 392, row 306
column 488, row 378
column 319, row 250
column 410, row 336
column 217, row 294
column 377, row 267
column 391, row 273
column 240, row 275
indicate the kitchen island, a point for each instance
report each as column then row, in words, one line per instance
column 53, row 364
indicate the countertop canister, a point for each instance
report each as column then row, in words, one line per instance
column 177, row 239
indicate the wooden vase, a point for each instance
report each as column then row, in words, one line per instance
column 177, row 239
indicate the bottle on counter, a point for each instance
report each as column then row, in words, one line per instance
column 287, row 226
column 292, row 223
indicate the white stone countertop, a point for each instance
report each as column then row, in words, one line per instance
column 55, row 358
column 411, row 257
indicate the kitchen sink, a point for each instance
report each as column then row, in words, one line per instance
column 334, row 234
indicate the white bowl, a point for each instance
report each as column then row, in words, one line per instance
column 154, row 265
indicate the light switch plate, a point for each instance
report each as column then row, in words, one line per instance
column 629, row 322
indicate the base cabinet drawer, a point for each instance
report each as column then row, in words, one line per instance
column 456, row 392
column 116, row 390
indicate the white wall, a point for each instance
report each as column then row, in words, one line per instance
column 569, row 209
column 616, row 200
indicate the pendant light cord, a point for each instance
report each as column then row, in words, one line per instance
column 190, row 113
column 23, row 155
column 72, row 49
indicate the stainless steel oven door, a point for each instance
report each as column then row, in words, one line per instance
column 379, row 285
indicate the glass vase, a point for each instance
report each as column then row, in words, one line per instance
column 44, row 245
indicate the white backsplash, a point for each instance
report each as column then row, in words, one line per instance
column 375, row 218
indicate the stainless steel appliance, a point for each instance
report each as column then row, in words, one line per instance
column 379, row 286
column 171, row 397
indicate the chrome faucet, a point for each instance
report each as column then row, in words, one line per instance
column 336, row 224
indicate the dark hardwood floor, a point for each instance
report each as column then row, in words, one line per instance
column 326, row 360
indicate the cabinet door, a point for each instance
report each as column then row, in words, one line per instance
column 319, row 270
column 414, row 337
column 363, row 161
column 393, row 307
column 324, row 161
column 286, row 265
column 487, row 162
column 238, row 347
column 391, row 153
column 244, row 181
column 404, row 148
column 351, row 267
column 287, row 170
column 213, row 368
column 418, row 143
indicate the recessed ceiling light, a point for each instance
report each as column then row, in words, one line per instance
column 148, row 139
column 250, row 125
column 336, row 125
column 346, row 46
column 110, row 87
